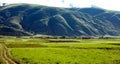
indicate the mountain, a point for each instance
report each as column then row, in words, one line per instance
column 30, row 19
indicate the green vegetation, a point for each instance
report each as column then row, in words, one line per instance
column 25, row 41
column 65, row 56
column 38, row 41
column 63, row 51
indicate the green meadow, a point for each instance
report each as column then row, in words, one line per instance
column 65, row 56
column 63, row 51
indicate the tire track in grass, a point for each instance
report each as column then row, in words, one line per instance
column 5, row 56
column 2, row 54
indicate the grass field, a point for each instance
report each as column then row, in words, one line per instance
column 63, row 51
column 37, row 41
column 65, row 56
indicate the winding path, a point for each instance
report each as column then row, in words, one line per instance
column 4, row 55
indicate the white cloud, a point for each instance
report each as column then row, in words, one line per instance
column 57, row 3
column 107, row 4
column 79, row 3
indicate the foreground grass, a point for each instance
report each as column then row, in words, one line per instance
column 65, row 56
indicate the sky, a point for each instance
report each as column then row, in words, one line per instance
column 105, row 4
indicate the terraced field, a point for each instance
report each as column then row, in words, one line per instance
column 63, row 51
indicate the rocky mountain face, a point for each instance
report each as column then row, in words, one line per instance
column 30, row 19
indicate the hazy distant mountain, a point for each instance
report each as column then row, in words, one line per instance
column 26, row 19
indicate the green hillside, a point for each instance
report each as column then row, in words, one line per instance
column 27, row 19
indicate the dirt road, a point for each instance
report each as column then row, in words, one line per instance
column 4, row 55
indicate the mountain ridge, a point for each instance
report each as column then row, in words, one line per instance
column 35, row 19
